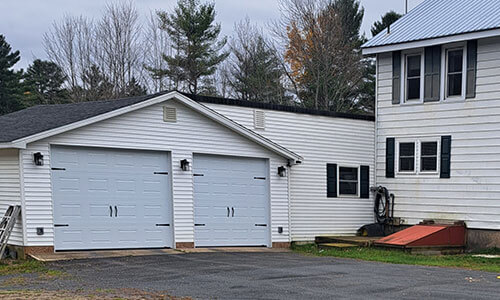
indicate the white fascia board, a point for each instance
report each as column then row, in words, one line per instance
column 21, row 143
column 432, row 42
column 242, row 130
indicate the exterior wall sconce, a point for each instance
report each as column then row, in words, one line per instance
column 185, row 165
column 38, row 159
column 282, row 171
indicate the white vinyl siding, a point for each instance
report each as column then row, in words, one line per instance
column 10, row 190
column 145, row 129
column 472, row 193
column 320, row 140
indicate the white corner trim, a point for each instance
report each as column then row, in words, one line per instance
column 204, row 110
column 432, row 41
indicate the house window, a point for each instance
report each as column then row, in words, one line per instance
column 413, row 77
column 407, row 157
column 348, row 181
column 454, row 72
column 428, row 156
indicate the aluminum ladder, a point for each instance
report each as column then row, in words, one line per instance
column 6, row 226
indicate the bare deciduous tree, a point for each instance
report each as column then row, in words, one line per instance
column 69, row 45
column 114, row 44
column 157, row 44
column 119, row 51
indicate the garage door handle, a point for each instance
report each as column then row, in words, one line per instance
column 61, row 225
column 116, row 211
column 261, row 225
column 110, row 211
column 162, row 225
column 228, row 212
column 232, row 209
column 199, row 224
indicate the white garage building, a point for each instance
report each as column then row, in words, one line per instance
column 173, row 170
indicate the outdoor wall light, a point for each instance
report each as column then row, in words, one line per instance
column 185, row 165
column 38, row 159
column 282, row 171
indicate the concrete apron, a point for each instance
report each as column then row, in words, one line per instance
column 74, row 255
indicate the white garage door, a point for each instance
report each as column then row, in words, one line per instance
column 231, row 197
column 108, row 198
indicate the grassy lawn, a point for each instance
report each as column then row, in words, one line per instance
column 9, row 267
column 466, row 261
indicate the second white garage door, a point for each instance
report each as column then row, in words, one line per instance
column 231, row 196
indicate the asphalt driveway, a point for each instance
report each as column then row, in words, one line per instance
column 271, row 276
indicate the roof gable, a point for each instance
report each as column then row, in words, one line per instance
column 440, row 18
column 21, row 127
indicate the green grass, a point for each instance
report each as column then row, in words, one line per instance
column 466, row 261
column 8, row 267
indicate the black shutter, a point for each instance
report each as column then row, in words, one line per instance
column 445, row 156
column 365, row 182
column 432, row 78
column 471, row 68
column 331, row 180
column 389, row 157
column 396, row 77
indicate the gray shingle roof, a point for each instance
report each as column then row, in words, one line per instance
column 41, row 118
column 440, row 18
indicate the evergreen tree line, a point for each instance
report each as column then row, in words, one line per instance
column 311, row 57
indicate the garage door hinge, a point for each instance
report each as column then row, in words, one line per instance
column 58, row 169
column 198, row 174
column 61, row 225
column 162, row 225
column 161, row 173
column 199, row 224
column 260, row 178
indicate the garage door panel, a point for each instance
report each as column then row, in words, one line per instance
column 229, row 183
column 120, row 199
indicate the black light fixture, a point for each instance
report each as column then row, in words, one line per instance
column 185, row 165
column 38, row 159
column 282, row 171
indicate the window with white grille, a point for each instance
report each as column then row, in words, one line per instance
column 259, row 118
column 169, row 114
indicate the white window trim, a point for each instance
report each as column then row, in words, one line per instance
column 404, row 141
column 444, row 73
column 404, row 81
column 359, row 180
column 438, row 155
column 418, row 157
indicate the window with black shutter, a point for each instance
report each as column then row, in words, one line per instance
column 413, row 76
column 407, row 157
column 428, row 156
column 454, row 72
column 348, row 181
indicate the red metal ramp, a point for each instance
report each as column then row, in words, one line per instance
column 426, row 236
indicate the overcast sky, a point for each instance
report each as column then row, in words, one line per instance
column 24, row 22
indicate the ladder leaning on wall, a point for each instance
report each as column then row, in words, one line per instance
column 6, row 226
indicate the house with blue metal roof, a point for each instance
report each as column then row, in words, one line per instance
column 438, row 115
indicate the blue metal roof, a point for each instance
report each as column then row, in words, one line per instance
column 440, row 18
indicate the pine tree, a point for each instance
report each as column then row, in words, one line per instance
column 198, row 50
column 98, row 86
column 10, row 86
column 43, row 82
column 386, row 20
column 255, row 72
